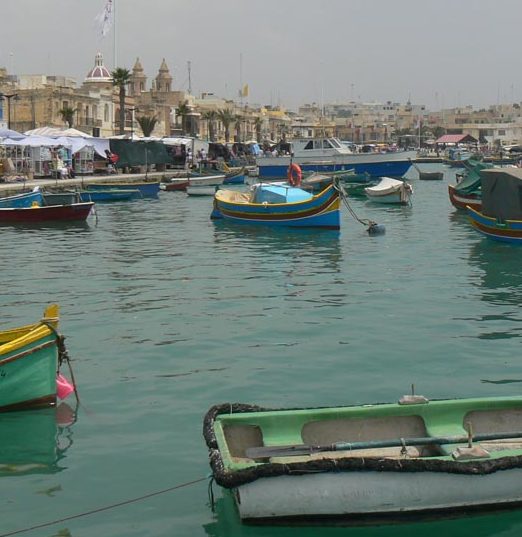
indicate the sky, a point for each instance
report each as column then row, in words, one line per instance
column 444, row 53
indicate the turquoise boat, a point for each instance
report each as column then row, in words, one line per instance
column 107, row 195
column 29, row 362
column 372, row 462
column 23, row 200
column 279, row 204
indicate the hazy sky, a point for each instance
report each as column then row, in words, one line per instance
column 441, row 53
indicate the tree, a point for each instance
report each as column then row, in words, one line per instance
column 147, row 124
column 120, row 79
column 227, row 118
column 182, row 111
column 211, row 117
column 67, row 114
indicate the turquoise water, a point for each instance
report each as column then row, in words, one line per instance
column 167, row 313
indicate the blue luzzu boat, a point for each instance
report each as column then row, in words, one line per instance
column 25, row 199
column 500, row 217
column 279, row 204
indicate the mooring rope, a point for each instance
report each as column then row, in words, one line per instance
column 344, row 196
column 101, row 509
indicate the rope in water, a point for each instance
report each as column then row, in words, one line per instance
column 344, row 196
column 101, row 509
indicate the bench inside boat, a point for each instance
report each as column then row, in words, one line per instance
column 328, row 426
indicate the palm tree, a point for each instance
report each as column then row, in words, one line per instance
column 120, row 78
column 226, row 117
column 67, row 114
column 183, row 110
column 147, row 124
column 211, row 116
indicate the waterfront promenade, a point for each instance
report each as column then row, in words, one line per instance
column 15, row 187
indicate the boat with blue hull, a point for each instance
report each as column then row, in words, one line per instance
column 147, row 189
column 500, row 217
column 279, row 204
column 325, row 155
column 25, row 199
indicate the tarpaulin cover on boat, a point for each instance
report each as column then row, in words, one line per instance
column 502, row 193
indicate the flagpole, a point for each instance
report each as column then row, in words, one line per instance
column 114, row 57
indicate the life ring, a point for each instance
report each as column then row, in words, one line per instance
column 295, row 174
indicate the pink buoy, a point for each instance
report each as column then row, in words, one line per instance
column 63, row 387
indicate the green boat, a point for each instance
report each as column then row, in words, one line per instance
column 29, row 363
column 415, row 457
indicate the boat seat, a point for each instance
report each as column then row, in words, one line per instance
column 494, row 421
column 241, row 437
column 362, row 430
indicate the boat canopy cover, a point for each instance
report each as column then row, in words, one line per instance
column 502, row 193
column 471, row 182
column 386, row 186
column 279, row 193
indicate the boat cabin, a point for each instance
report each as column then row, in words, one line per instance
column 319, row 147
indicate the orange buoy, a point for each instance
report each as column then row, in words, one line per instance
column 295, row 174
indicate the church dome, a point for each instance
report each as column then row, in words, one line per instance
column 99, row 73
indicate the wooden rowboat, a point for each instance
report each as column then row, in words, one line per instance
column 74, row 212
column 462, row 200
column 29, row 362
column 414, row 457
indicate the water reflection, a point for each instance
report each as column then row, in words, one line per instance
column 226, row 523
column 313, row 244
column 501, row 277
column 34, row 442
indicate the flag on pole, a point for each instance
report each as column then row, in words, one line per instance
column 104, row 19
column 245, row 90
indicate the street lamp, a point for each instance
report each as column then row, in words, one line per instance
column 8, row 97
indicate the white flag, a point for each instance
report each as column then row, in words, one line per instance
column 104, row 19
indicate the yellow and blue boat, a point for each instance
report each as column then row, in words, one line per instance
column 29, row 363
column 500, row 216
column 279, row 204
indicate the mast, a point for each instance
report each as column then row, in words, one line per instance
column 114, row 55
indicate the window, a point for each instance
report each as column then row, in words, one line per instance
column 106, row 113
column 501, row 132
column 309, row 145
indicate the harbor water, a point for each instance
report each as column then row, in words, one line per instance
column 167, row 313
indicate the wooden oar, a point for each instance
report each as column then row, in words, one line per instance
column 303, row 449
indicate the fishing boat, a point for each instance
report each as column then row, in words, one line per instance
column 25, row 199
column 235, row 177
column 148, row 189
column 467, row 191
column 110, row 194
column 279, row 204
column 500, row 217
column 175, row 184
column 377, row 461
column 73, row 212
column 463, row 200
column 204, row 185
column 330, row 154
column 431, row 176
column 30, row 357
column 390, row 190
